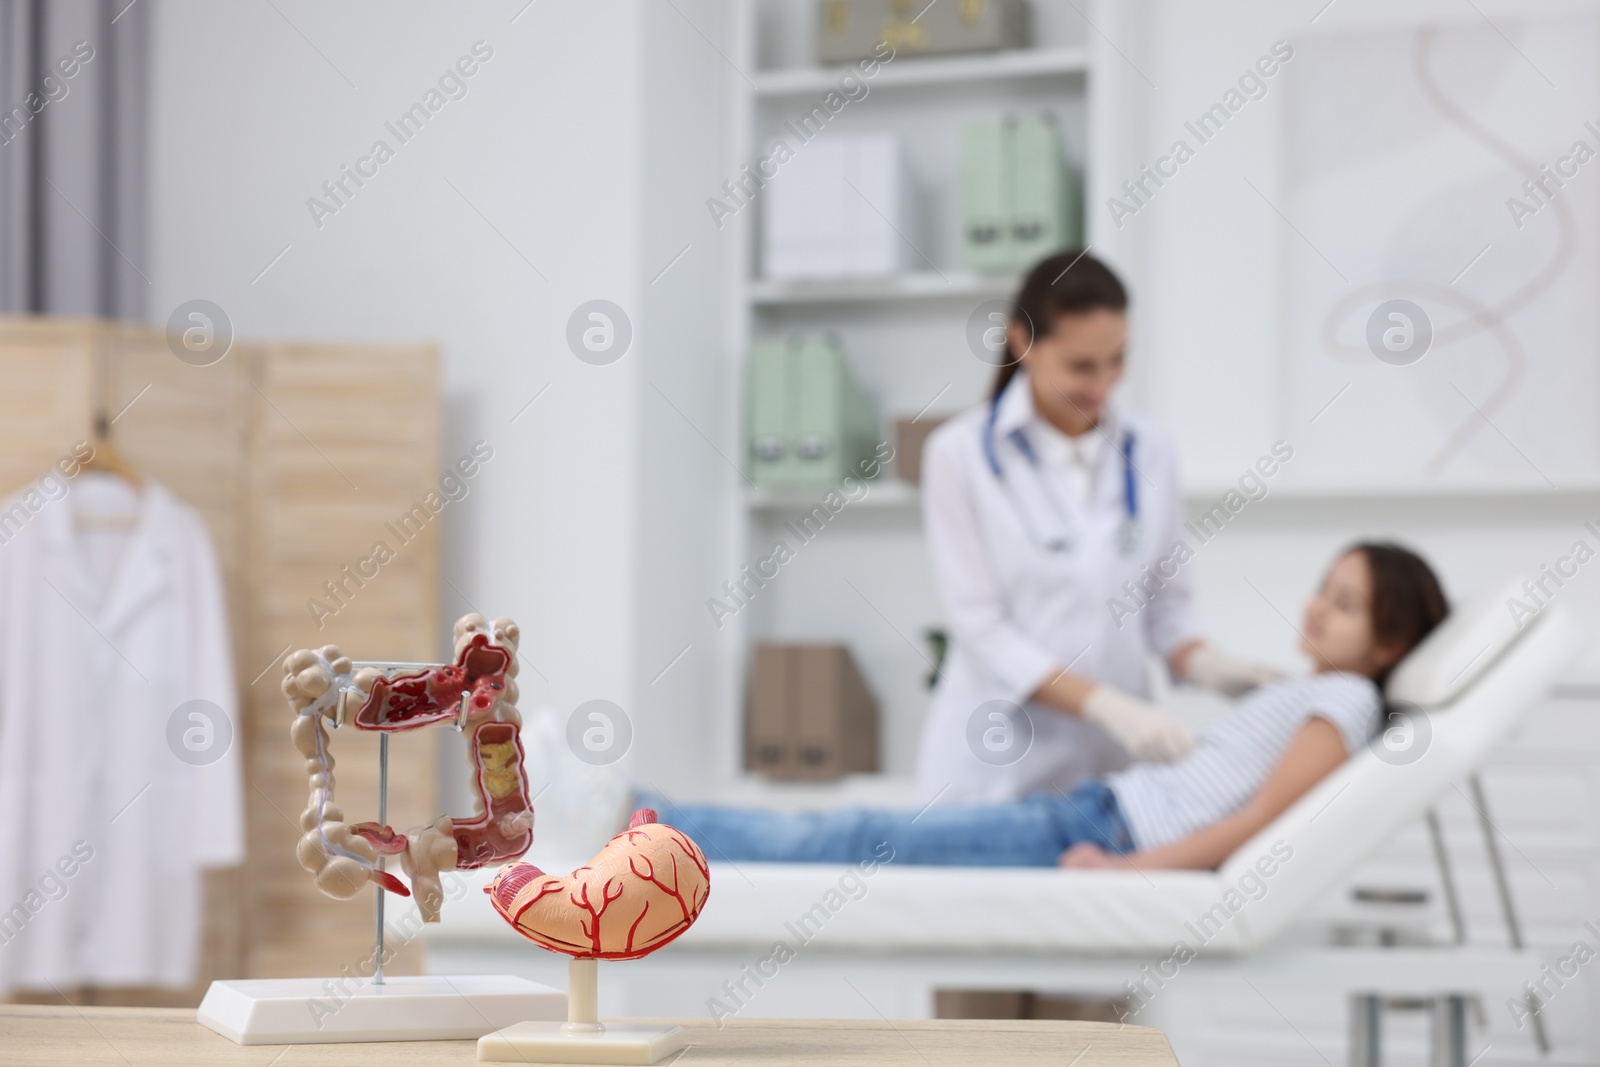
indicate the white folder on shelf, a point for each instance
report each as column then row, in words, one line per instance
column 839, row 208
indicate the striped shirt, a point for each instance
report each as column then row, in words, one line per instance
column 1163, row 802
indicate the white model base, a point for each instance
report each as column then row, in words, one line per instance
column 305, row 1011
column 544, row 1042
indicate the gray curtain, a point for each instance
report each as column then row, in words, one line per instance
column 74, row 80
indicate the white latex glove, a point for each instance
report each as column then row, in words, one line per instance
column 1142, row 728
column 1223, row 674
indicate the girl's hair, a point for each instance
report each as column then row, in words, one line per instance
column 1407, row 599
column 1066, row 283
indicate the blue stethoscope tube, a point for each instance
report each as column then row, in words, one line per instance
column 1019, row 440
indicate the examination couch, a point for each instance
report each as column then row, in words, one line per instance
column 1124, row 933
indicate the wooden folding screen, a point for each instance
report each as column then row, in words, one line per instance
column 296, row 455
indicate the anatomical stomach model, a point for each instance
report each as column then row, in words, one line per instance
column 645, row 888
column 477, row 693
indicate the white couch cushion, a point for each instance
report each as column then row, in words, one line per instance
column 756, row 905
column 1449, row 660
column 963, row 908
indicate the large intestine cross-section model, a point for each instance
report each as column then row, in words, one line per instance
column 478, row 693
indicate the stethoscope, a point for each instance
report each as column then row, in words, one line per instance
column 1127, row 533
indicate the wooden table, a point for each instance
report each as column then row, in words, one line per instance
column 33, row 1036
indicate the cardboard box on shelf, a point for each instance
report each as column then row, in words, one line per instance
column 910, row 435
column 811, row 715
column 766, row 732
column 848, row 30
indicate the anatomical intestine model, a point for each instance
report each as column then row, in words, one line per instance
column 476, row 692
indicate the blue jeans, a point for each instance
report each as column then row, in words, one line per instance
column 1031, row 832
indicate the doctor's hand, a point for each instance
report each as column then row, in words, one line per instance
column 1221, row 673
column 1142, row 728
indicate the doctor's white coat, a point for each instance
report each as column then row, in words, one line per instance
column 1019, row 612
column 104, row 828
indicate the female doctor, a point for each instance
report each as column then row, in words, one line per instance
column 1052, row 517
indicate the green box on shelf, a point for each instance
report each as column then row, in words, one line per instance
column 985, row 203
column 810, row 424
column 770, row 427
column 1020, row 200
column 1046, row 200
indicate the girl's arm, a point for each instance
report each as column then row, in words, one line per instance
column 1312, row 755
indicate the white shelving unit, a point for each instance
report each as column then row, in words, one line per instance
column 885, row 493
column 865, row 580
column 931, row 71
column 912, row 286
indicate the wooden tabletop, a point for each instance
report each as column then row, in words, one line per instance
column 36, row 1036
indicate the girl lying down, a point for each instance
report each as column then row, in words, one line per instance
column 1376, row 602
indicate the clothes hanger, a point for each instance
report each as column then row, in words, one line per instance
column 107, row 458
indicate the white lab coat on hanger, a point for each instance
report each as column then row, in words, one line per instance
column 1018, row 611
column 92, row 667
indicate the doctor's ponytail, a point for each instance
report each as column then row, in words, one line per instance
column 1066, row 283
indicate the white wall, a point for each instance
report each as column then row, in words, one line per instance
column 1215, row 353
column 1258, row 251
column 687, row 435
column 571, row 170
column 1209, row 260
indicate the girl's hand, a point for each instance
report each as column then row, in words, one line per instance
column 1089, row 854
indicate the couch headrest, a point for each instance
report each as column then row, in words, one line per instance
column 1461, row 648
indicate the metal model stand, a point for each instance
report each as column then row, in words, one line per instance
column 286, row 1011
